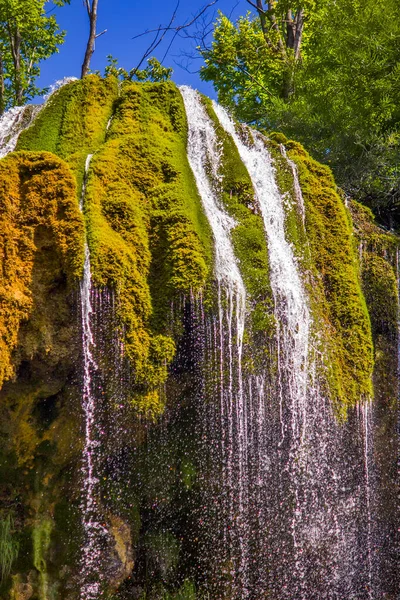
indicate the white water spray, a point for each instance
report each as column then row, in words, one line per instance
column 12, row 123
column 93, row 529
column 293, row 319
column 204, row 154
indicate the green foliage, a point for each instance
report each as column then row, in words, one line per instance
column 9, row 546
column 247, row 75
column 154, row 72
column 343, row 101
column 28, row 35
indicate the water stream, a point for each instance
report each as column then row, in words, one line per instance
column 94, row 531
column 204, row 154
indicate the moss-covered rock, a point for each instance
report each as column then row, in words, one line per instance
column 337, row 301
column 73, row 122
column 151, row 250
column 41, row 243
column 147, row 234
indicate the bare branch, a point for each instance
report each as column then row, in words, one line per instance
column 258, row 7
column 99, row 34
column 176, row 30
column 88, row 7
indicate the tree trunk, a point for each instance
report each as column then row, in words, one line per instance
column 290, row 30
column 92, row 13
column 299, row 33
column 263, row 20
column 15, row 42
column 2, row 89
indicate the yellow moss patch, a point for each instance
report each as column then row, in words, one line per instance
column 37, row 194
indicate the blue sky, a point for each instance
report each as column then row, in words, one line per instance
column 124, row 19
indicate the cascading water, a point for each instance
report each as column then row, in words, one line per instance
column 204, row 154
column 310, row 502
column 94, row 531
column 12, row 123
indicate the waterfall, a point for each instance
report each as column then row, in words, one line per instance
column 291, row 309
column 12, row 123
column 292, row 315
column 19, row 118
column 204, row 154
column 308, row 492
column 94, row 531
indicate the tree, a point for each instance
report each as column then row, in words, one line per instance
column 336, row 89
column 28, row 35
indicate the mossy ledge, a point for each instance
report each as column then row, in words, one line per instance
column 337, row 301
column 148, row 237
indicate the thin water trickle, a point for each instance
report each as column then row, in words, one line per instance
column 93, row 529
column 296, row 183
column 366, row 416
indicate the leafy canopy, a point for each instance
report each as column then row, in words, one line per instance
column 337, row 93
column 29, row 34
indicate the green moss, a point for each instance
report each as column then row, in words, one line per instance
column 73, row 122
column 378, row 257
column 148, row 237
column 38, row 212
column 41, row 537
column 338, row 304
column 380, row 289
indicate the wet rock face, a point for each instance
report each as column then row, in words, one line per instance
column 121, row 561
column 24, row 590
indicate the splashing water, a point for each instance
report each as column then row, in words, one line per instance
column 93, row 529
column 12, row 123
column 204, row 154
column 308, row 494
